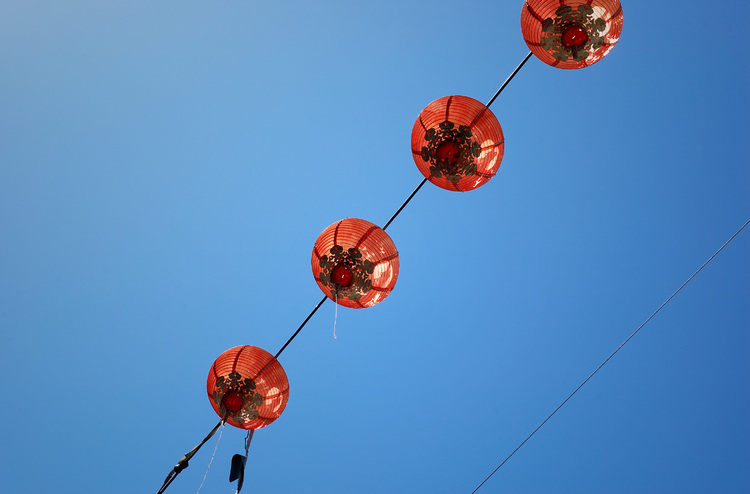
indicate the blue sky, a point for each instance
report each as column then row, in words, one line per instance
column 165, row 168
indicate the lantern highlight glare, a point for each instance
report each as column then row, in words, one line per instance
column 248, row 387
column 457, row 143
column 355, row 263
column 571, row 34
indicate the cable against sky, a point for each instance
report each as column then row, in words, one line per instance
column 610, row 356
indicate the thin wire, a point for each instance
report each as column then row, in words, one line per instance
column 248, row 440
column 507, row 81
column 298, row 329
column 309, row 316
column 241, row 478
column 184, row 461
column 276, row 357
column 326, row 298
column 405, row 202
column 388, row 223
column 211, row 460
column 610, row 356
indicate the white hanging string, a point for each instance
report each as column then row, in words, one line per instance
column 212, row 459
column 335, row 313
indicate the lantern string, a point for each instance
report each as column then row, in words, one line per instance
column 248, row 439
column 298, row 330
column 211, row 460
column 405, row 202
column 610, row 356
column 276, row 357
column 335, row 313
column 507, row 81
column 388, row 223
column 183, row 463
column 240, row 475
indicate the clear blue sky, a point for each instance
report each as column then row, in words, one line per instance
column 165, row 168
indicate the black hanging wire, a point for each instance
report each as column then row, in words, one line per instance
column 312, row 313
column 183, row 463
column 405, row 203
column 610, row 356
column 309, row 316
column 408, row 199
column 510, row 78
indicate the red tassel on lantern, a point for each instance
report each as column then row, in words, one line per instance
column 457, row 143
column 247, row 387
column 355, row 263
column 571, row 34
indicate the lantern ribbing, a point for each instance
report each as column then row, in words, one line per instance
column 457, row 143
column 571, row 34
column 248, row 387
column 355, row 263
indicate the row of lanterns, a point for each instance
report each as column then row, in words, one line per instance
column 457, row 144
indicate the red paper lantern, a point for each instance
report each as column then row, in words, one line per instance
column 248, row 387
column 355, row 263
column 457, row 143
column 571, row 34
